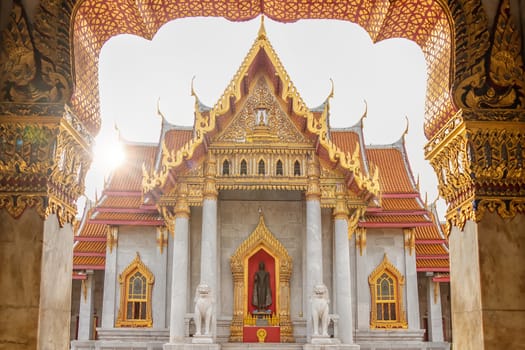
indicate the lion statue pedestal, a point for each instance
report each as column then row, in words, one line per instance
column 203, row 315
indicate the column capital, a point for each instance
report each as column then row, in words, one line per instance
column 182, row 209
column 341, row 208
column 209, row 190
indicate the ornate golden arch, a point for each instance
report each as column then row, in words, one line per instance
column 135, row 266
column 428, row 23
column 261, row 238
column 386, row 267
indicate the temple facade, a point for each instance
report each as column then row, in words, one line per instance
column 261, row 224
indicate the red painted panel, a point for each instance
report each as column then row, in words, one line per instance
column 253, row 266
column 249, row 334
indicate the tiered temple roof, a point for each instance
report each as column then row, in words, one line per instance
column 131, row 194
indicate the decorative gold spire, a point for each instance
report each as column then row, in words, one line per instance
column 262, row 29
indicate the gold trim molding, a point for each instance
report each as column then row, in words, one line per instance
column 261, row 238
column 400, row 322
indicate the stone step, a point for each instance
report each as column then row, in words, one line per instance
column 261, row 346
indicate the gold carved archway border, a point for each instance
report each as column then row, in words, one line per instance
column 261, row 238
column 426, row 22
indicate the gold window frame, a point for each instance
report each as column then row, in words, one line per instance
column 400, row 321
column 135, row 266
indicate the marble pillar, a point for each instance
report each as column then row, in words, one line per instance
column 362, row 286
column 209, row 263
column 85, row 315
column 209, row 244
column 342, row 276
column 314, row 255
column 109, row 301
column 435, row 318
column 412, row 296
column 179, row 288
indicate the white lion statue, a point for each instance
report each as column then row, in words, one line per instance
column 320, row 302
column 203, row 309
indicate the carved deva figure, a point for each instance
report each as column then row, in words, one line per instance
column 262, row 293
column 203, row 309
column 320, row 302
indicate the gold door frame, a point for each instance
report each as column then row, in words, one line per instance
column 261, row 238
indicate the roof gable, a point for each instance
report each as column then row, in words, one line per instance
column 278, row 127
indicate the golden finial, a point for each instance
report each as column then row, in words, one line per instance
column 260, row 211
column 331, row 95
column 159, row 113
column 262, row 30
column 192, row 88
column 406, row 129
column 365, row 113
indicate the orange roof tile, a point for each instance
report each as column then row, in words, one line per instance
column 396, row 218
column 400, row 204
column 432, row 263
column 393, row 174
column 128, row 176
column 93, row 230
column 89, row 261
column 176, row 138
column 430, row 249
column 427, row 232
column 127, row 216
column 346, row 141
column 86, row 246
column 120, row 202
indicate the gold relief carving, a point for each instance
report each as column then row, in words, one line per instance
column 162, row 238
column 84, row 289
column 182, row 209
column 479, row 166
column 360, row 239
column 34, row 60
column 111, row 237
column 496, row 78
column 279, row 127
column 410, row 239
column 169, row 219
column 42, row 157
column 210, row 190
column 353, row 220
column 261, row 238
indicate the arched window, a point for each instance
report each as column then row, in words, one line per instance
column 226, row 167
column 136, row 283
column 262, row 169
column 244, row 167
column 296, row 168
column 279, row 168
column 386, row 295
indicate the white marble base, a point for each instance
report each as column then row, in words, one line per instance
column 202, row 339
column 188, row 346
column 328, row 346
column 324, row 339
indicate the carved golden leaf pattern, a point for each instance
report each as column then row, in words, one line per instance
column 278, row 122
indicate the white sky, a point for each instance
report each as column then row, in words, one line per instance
column 134, row 73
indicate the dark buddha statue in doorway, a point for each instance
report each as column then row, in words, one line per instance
column 262, row 293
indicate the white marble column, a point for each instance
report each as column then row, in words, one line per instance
column 85, row 315
column 412, row 297
column 435, row 318
column 343, row 291
column 362, row 286
column 314, row 243
column 179, row 287
column 109, row 300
